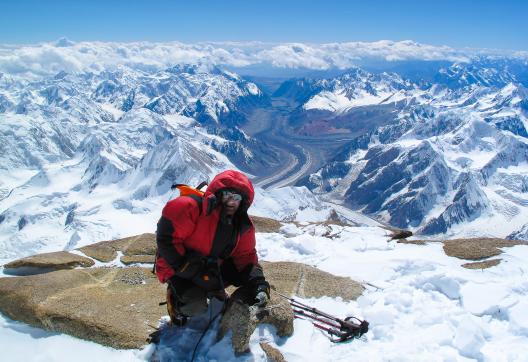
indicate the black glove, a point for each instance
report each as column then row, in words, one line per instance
column 193, row 263
column 209, row 278
column 262, row 294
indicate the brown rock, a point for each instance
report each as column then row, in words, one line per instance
column 116, row 307
column 237, row 319
column 272, row 353
column 308, row 282
column 133, row 259
column 400, row 234
column 48, row 262
column 144, row 244
column 482, row 264
column 478, row 248
column 265, row 224
column 335, row 219
column 241, row 318
column 106, row 251
column 414, row 242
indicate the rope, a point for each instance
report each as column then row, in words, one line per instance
column 211, row 320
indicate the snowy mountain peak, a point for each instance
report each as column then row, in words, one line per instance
column 357, row 88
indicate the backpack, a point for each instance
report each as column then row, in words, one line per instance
column 186, row 190
column 194, row 193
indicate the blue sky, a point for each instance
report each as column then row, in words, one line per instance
column 463, row 23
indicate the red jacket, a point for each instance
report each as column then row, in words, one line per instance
column 187, row 229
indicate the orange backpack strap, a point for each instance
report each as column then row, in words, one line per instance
column 186, row 190
column 194, row 193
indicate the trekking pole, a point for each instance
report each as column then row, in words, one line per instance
column 348, row 329
column 334, row 329
column 299, row 312
column 343, row 336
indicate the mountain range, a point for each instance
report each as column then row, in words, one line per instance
column 92, row 154
column 443, row 157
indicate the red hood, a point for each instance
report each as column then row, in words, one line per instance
column 232, row 179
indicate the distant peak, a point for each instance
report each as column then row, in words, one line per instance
column 64, row 42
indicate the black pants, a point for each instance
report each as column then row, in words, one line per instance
column 190, row 296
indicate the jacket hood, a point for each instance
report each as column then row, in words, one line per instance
column 232, row 179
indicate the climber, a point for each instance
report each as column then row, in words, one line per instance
column 206, row 243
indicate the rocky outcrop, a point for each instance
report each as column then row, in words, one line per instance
column 272, row 353
column 116, row 307
column 414, row 242
column 265, row 224
column 137, row 259
column 399, row 234
column 119, row 307
column 482, row 264
column 477, row 248
column 47, row 262
column 241, row 318
column 308, row 282
column 105, row 251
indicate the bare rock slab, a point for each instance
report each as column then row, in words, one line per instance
column 272, row 353
column 106, row 251
column 482, row 264
column 116, row 307
column 477, row 248
column 265, row 224
column 398, row 234
column 308, row 282
column 241, row 318
column 137, row 259
column 47, row 262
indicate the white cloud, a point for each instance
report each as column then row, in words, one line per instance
column 50, row 58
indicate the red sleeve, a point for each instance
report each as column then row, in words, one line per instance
column 182, row 213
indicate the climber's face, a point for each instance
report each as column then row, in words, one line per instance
column 231, row 201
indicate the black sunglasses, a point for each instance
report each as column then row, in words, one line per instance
column 230, row 195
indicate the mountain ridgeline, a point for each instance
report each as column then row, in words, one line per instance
column 437, row 157
column 441, row 148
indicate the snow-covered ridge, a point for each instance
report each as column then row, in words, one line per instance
column 358, row 88
column 89, row 156
column 444, row 161
column 116, row 182
column 78, row 170
column 180, row 89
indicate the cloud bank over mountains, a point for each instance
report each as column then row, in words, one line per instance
column 46, row 59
